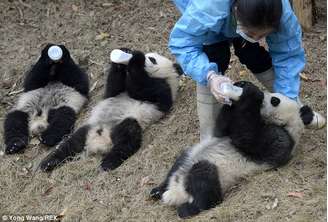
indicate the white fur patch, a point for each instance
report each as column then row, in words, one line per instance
column 98, row 140
column 40, row 101
column 38, row 123
column 176, row 193
column 113, row 110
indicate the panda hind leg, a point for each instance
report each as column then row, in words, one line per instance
column 126, row 139
column 157, row 192
column 61, row 122
column 66, row 150
column 16, row 131
column 204, row 187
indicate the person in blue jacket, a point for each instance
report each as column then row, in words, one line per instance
column 201, row 40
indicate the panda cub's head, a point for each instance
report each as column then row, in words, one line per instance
column 283, row 111
column 159, row 66
column 279, row 109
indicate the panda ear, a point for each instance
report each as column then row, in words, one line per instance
column 178, row 69
column 275, row 101
column 306, row 114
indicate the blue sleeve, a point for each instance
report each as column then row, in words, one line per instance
column 190, row 33
column 288, row 57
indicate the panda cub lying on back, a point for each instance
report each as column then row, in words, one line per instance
column 256, row 133
column 54, row 92
column 137, row 95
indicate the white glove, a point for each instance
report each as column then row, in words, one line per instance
column 214, row 82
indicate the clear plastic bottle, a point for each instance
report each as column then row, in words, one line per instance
column 230, row 91
column 120, row 57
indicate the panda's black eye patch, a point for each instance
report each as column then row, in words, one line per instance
column 275, row 101
column 153, row 60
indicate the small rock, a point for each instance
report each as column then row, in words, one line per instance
column 275, row 203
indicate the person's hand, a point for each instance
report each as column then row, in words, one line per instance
column 214, row 82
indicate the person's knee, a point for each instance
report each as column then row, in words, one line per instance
column 254, row 56
column 219, row 53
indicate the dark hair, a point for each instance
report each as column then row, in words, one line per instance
column 258, row 13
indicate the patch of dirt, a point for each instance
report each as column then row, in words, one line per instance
column 122, row 195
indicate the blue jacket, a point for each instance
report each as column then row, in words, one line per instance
column 210, row 21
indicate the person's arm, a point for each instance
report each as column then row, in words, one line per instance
column 190, row 33
column 288, row 57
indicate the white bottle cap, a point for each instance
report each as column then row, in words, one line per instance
column 55, row 53
column 118, row 56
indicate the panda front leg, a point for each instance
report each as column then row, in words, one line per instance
column 202, row 184
column 66, row 150
column 61, row 122
column 16, row 131
column 39, row 75
column 126, row 138
column 115, row 83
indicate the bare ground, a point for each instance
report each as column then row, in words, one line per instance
column 77, row 189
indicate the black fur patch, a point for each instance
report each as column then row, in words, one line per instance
column 274, row 146
column 115, row 80
column 61, row 122
column 141, row 86
column 275, row 101
column 203, row 185
column 66, row 150
column 126, row 138
column 16, row 131
column 65, row 71
column 306, row 115
column 153, row 60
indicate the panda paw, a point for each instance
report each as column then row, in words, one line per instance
column 50, row 163
column 16, row 145
column 138, row 59
column 306, row 114
column 188, row 210
column 50, row 139
column 157, row 192
column 110, row 164
column 174, row 197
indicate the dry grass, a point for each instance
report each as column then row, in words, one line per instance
column 122, row 195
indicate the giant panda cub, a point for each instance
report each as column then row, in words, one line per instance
column 137, row 95
column 256, row 133
column 55, row 90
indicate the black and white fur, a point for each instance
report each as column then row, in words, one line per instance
column 53, row 95
column 136, row 96
column 257, row 133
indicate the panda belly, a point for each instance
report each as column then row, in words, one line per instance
column 110, row 112
column 231, row 166
column 37, row 104
column 230, row 163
